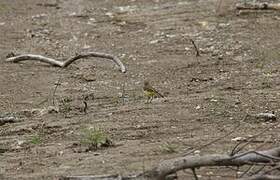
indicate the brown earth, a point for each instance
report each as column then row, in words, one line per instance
column 206, row 96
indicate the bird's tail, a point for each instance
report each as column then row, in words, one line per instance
column 159, row 94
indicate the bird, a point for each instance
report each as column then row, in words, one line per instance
column 150, row 92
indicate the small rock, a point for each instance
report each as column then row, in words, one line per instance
column 154, row 41
column 109, row 14
column 238, row 139
column 213, row 100
column 20, row 142
column 52, row 109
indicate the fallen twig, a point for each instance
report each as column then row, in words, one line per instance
column 217, row 139
column 237, row 149
column 8, row 119
column 258, row 6
column 66, row 63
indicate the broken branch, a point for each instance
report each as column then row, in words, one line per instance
column 258, row 6
column 66, row 63
column 171, row 166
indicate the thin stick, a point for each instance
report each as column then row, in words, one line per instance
column 195, row 47
column 215, row 140
column 123, row 93
column 259, row 170
column 272, row 169
column 235, row 150
column 247, row 170
column 85, row 107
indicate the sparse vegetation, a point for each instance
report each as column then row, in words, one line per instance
column 95, row 138
column 35, row 139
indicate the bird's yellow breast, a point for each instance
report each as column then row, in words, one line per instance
column 149, row 93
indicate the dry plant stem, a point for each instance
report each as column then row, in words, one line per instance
column 247, row 171
column 237, row 149
column 123, row 93
column 55, row 88
column 273, row 169
column 215, row 140
column 66, row 63
column 259, row 170
column 85, row 106
column 195, row 47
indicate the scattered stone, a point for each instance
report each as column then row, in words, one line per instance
column 52, row 109
column 238, row 139
column 266, row 116
column 155, row 41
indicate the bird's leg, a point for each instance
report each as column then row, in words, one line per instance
column 147, row 100
column 151, row 98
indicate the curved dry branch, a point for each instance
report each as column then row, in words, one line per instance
column 66, row 63
column 34, row 57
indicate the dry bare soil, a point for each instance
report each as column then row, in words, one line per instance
column 206, row 96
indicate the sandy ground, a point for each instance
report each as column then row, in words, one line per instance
column 206, row 96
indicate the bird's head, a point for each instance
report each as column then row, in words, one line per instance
column 146, row 83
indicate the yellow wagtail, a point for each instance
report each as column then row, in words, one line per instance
column 150, row 92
